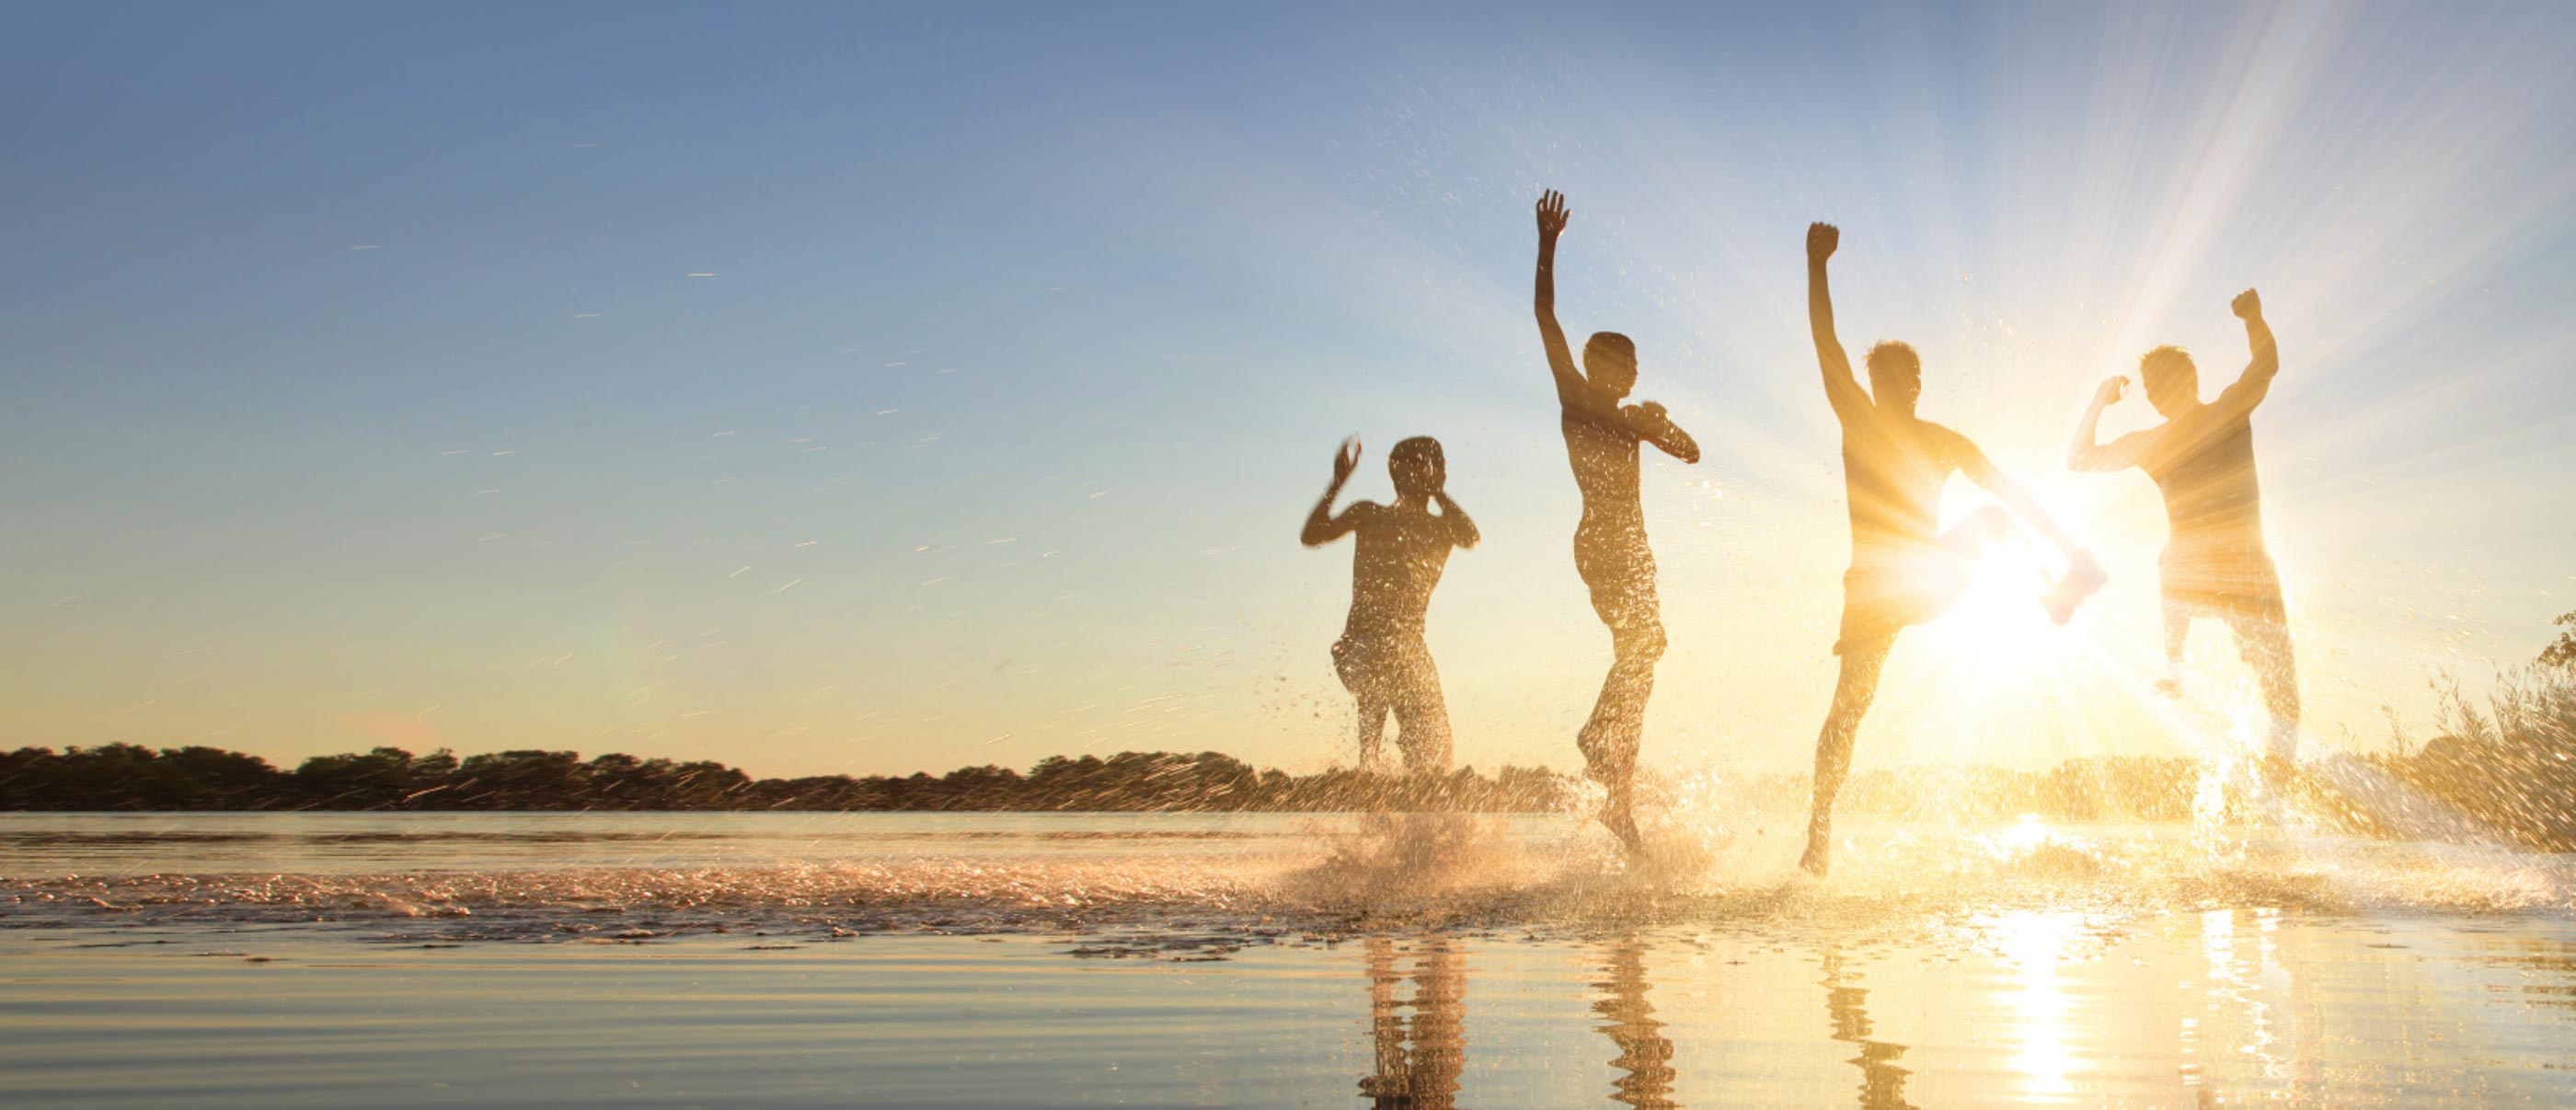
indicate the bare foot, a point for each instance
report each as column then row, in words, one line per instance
column 1618, row 817
column 1814, row 861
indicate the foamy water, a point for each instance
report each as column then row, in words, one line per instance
column 1014, row 960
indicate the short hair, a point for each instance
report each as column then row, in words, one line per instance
column 2166, row 363
column 1418, row 448
column 1892, row 356
column 1610, row 342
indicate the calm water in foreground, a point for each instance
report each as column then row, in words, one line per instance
column 1008, row 960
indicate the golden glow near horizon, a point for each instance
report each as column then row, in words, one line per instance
column 1023, row 479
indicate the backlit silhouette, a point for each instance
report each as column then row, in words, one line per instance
column 1610, row 552
column 2215, row 564
column 1903, row 570
column 1402, row 549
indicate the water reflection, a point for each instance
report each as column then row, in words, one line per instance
column 1419, row 1057
column 1882, row 1082
column 2034, row 944
column 1645, row 1055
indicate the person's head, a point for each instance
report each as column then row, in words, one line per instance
column 1610, row 360
column 1895, row 376
column 2173, row 383
column 1417, row 467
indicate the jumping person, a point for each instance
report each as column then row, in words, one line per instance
column 1402, row 549
column 1903, row 570
column 2215, row 564
column 1610, row 552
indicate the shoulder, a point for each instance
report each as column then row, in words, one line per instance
column 1947, row 442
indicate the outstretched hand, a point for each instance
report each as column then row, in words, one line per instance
column 2247, row 306
column 2111, row 391
column 1551, row 214
column 1346, row 460
column 1821, row 241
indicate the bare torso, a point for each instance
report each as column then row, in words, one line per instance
column 1398, row 559
column 1612, row 535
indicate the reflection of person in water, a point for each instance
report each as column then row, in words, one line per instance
column 1903, row 570
column 2215, row 564
column 1645, row 1055
column 1882, row 1082
column 1418, row 1060
column 1402, row 549
column 1610, row 552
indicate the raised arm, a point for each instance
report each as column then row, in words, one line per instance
column 1322, row 527
column 2119, row 454
column 2253, row 385
column 1840, row 387
column 1982, row 471
column 1655, row 426
column 1570, row 386
column 1462, row 531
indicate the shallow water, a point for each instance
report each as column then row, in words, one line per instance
column 1011, row 960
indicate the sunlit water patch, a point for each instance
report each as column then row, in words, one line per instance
column 1004, row 960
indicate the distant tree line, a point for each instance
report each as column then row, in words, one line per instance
column 131, row 777
column 2510, row 767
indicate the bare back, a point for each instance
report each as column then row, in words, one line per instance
column 1400, row 555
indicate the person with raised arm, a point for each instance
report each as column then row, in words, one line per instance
column 2215, row 564
column 1610, row 551
column 1904, row 570
column 1402, row 549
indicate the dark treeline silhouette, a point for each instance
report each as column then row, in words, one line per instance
column 130, row 777
column 2509, row 767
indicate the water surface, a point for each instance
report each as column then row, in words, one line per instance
column 1016, row 960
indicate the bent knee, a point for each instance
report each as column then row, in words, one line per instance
column 1992, row 524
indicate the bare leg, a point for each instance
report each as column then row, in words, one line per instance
column 1421, row 716
column 2177, row 633
column 1373, row 710
column 1983, row 529
column 1609, row 739
column 2263, row 638
column 1852, row 694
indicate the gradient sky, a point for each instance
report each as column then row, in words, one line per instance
column 855, row 389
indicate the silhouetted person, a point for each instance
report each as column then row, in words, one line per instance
column 1903, row 570
column 1418, row 1061
column 1610, row 552
column 1402, row 549
column 2214, row 564
column 1645, row 1059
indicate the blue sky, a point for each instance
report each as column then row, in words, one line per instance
column 362, row 391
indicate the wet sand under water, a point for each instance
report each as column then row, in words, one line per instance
column 1014, row 960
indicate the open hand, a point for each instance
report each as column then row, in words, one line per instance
column 1346, row 460
column 1551, row 214
column 2112, row 390
column 2247, row 306
column 1821, row 241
